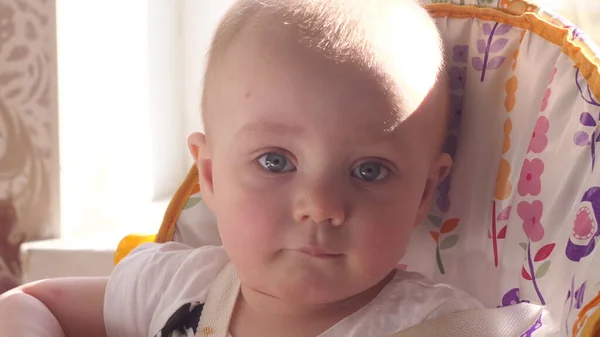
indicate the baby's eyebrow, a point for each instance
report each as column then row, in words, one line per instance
column 263, row 126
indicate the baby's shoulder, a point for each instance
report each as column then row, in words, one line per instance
column 177, row 252
column 408, row 299
column 428, row 299
column 172, row 265
column 172, row 261
column 157, row 280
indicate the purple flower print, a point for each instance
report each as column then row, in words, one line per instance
column 486, row 47
column 582, row 138
column 574, row 299
column 536, row 326
column 450, row 145
column 512, row 297
column 578, row 296
column 458, row 77
column 582, row 240
column 460, row 53
column 586, row 93
column 456, row 109
column 443, row 200
column 575, row 32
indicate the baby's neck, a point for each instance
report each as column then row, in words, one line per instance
column 260, row 314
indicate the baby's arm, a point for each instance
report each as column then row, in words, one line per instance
column 65, row 307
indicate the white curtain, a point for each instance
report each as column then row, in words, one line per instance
column 584, row 13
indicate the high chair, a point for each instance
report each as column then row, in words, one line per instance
column 516, row 223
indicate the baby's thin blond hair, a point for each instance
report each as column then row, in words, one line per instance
column 375, row 35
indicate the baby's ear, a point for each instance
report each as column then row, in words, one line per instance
column 438, row 172
column 444, row 164
column 200, row 151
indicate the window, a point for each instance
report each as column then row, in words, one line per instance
column 119, row 80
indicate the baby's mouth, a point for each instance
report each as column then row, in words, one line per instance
column 319, row 253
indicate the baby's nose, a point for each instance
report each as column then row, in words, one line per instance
column 320, row 203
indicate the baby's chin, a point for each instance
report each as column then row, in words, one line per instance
column 313, row 293
column 294, row 278
column 312, row 288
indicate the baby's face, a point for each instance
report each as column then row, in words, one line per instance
column 315, row 197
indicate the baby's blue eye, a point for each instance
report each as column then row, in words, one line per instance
column 276, row 163
column 370, row 171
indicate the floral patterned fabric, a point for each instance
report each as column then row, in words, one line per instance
column 517, row 220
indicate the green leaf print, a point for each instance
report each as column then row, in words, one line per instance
column 438, row 258
column 449, row 242
column 543, row 269
column 436, row 221
column 485, row 2
column 524, row 246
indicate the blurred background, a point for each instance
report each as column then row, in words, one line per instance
column 96, row 101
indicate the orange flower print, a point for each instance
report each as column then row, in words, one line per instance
column 503, row 186
column 443, row 237
column 507, row 131
column 511, row 91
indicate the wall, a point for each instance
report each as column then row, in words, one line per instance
column 28, row 130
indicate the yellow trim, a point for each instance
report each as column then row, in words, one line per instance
column 187, row 188
column 582, row 55
column 592, row 328
column 166, row 232
column 589, row 324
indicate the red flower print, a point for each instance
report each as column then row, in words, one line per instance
column 546, row 99
column 539, row 140
column 530, row 181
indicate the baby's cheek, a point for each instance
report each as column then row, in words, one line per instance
column 249, row 233
column 251, row 220
column 382, row 245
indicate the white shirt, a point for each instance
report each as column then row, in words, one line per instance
column 160, row 289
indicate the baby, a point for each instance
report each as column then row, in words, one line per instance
column 324, row 123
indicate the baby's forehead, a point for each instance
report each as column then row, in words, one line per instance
column 400, row 65
column 270, row 56
column 368, row 32
column 294, row 86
